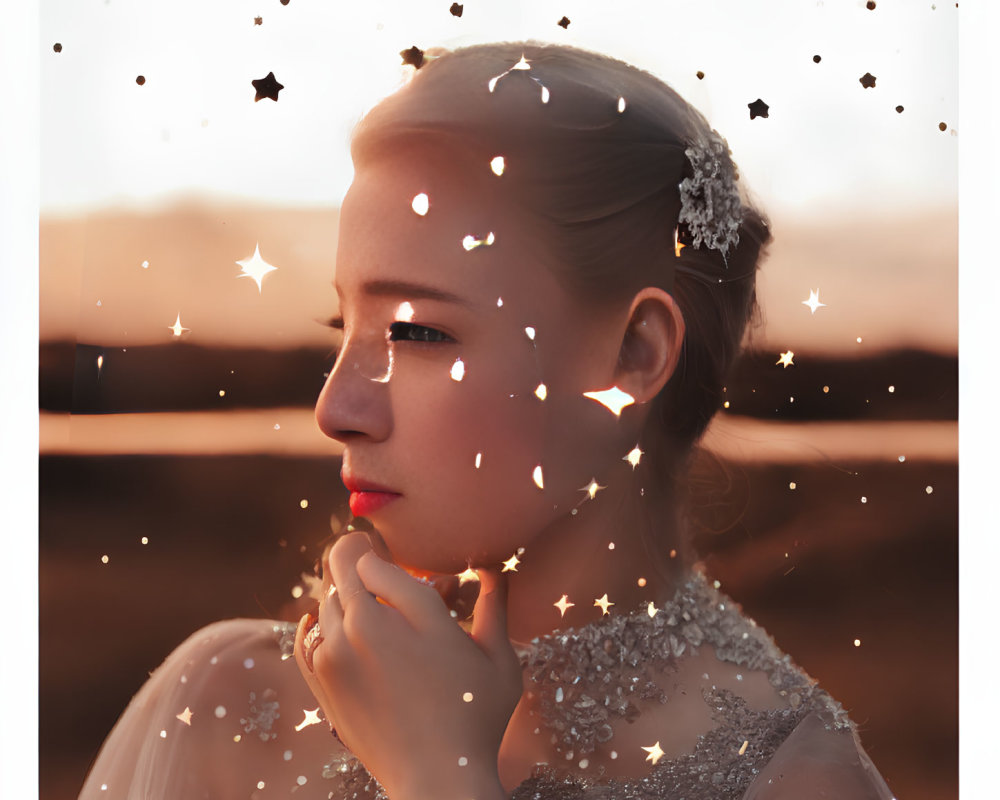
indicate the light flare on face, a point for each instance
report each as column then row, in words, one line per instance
column 536, row 476
column 420, row 204
column 404, row 312
column 541, row 392
column 498, row 165
column 613, row 399
column 458, row 370
column 470, row 242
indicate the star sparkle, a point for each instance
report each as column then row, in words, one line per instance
column 603, row 603
column 758, row 108
column 592, row 488
column 185, row 716
column 267, row 87
column 311, row 718
column 614, row 399
column 786, row 359
column 654, row 753
column 651, row 610
column 813, row 301
column 634, row 456
column 255, row 267
column 867, row 80
column 177, row 328
column 510, row 565
column 563, row 604
column 469, row 575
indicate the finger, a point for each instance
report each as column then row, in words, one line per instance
column 418, row 602
column 343, row 561
column 489, row 618
column 301, row 660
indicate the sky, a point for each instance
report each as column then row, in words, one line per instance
column 192, row 126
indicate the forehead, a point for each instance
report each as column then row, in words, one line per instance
column 382, row 237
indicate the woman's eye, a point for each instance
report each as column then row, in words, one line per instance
column 408, row 332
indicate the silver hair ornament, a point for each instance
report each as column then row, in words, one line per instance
column 710, row 202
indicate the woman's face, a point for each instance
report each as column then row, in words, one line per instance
column 437, row 390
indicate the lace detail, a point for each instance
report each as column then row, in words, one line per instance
column 710, row 202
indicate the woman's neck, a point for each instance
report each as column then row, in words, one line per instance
column 574, row 557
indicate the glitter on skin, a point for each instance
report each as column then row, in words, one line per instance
column 420, row 204
column 468, row 575
column 404, row 312
column 497, row 165
column 614, row 399
column 634, row 456
column 185, row 716
column 563, row 604
column 536, row 476
column 510, row 565
column 592, row 489
column 458, row 370
column 530, row 332
column 470, row 242
column 813, row 301
column 479, row 459
column 255, row 267
column 541, row 392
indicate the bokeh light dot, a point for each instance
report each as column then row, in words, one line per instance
column 929, row 489
column 791, row 485
column 105, row 559
column 303, row 503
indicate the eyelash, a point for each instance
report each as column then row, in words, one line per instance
column 425, row 335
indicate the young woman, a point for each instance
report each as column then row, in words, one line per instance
column 545, row 269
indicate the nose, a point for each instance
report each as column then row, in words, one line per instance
column 352, row 404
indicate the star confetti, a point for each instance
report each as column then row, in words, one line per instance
column 634, row 456
column 456, row 9
column 185, row 716
column 563, row 604
column 867, row 80
column 603, row 603
column 414, row 56
column 267, row 87
column 177, row 328
column 786, row 359
column 592, row 488
column 700, row 75
column 614, row 399
column 469, row 575
column 311, row 718
column 510, row 565
column 255, row 267
column 563, row 23
column 654, row 753
column 758, row 108
column 813, row 301
column 258, row 20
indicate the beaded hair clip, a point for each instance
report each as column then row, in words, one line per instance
column 710, row 202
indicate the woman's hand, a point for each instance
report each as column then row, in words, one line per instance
column 422, row 704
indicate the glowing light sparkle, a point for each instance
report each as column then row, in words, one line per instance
column 678, row 244
column 177, row 328
column 563, row 604
column 536, row 476
column 510, row 565
column 404, row 312
column 255, row 267
column 603, row 603
column 530, row 333
column 420, row 204
column 634, row 456
column 541, row 392
column 470, row 242
column 458, row 370
column 614, row 399
column 654, row 753
column 621, row 105
column 592, row 489
column 498, row 165
column 813, row 301
column 651, row 610
column 479, row 460
column 311, row 718
column 521, row 66
column 786, row 359
column 469, row 575
column 185, row 716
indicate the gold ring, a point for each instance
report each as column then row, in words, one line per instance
column 310, row 642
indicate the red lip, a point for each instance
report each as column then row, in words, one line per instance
column 366, row 496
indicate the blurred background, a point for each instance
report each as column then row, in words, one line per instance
column 182, row 479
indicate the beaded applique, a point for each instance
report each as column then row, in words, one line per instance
column 710, row 202
column 263, row 714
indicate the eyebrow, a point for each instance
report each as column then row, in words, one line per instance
column 407, row 290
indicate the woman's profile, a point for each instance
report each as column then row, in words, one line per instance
column 545, row 269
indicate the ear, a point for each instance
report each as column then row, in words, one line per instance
column 651, row 344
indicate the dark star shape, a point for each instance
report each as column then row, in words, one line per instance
column 758, row 108
column 57, row 47
column 258, row 20
column 456, row 9
column 563, row 23
column 267, row 87
column 700, row 75
column 867, row 80
column 414, row 56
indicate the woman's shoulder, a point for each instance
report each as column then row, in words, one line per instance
column 227, row 707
